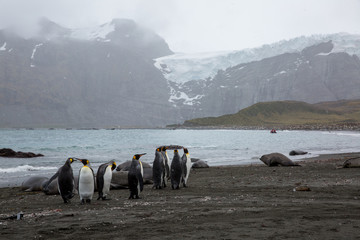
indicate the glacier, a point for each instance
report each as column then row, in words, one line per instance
column 180, row 68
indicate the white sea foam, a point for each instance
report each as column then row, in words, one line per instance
column 25, row 168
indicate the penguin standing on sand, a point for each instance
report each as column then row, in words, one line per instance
column 166, row 161
column 86, row 182
column 65, row 179
column 159, row 170
column 175, row 173
column 135, row 176
column 103, row 178
column 185, row 167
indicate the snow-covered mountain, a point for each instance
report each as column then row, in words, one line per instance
column 181, row 68
column 96, row 77
column 107, row 76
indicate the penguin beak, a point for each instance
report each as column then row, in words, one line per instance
column 142, row 154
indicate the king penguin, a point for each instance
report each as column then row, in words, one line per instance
column 185, row 167
column 135, row 176
column 175, row 173
column 166, row 161
column 65, row 179
column 86, row 182
column 103, row 178
column 159, row 170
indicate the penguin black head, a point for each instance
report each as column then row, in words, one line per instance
column 158, row 149
column 175, row 151
column 163, row 148
column 113, row 166
column 185, row 150
column 84, row 161
column 137, row 156
column 70, row 160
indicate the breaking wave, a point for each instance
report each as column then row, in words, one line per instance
column 25, row 168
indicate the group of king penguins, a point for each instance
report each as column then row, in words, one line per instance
column 178, row 172
column 86, row 180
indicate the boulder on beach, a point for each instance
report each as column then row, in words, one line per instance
column 297, row 152
column 277, row 159
column 7, row 152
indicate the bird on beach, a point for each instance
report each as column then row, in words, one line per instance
column 158, row 170
column 166, row 161
column 65, row 179
column 135, row 176
column 86, row 182
column 103, row 178
column 175, row 171
column 185, row 167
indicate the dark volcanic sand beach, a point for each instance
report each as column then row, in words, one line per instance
column 235, row 202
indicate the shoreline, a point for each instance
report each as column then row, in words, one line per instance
column 318, row 200
column 335, row 127
column 299, row 159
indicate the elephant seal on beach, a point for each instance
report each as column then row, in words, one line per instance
column 297, row 152
column 277, row 159
column 120, row 178
column 352, row 163
column 35, row 183
column 125, row 166
column 200, row 164
column 52, row 188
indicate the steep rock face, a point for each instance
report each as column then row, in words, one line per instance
column 64, row 79
column 313, row 75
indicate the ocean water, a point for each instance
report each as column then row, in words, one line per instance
column 216, row 147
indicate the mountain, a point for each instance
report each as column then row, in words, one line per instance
column 285, row 114
column 122, row 74
column 315, row 74
column 83, row 77
column 189, row 74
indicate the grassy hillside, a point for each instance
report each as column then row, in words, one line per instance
column 286, row 113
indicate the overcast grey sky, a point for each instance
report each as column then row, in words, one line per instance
column 196, row 25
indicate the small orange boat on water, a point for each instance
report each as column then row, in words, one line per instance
column 273, row 131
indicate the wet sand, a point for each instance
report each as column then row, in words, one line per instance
column 233, row 202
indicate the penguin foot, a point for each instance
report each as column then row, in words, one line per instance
column 88, row 201
column 82, row 202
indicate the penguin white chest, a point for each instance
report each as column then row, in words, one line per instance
column 188, row 167
column 86, row 183
column 107, row 180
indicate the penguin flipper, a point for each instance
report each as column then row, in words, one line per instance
column 141, row 180
column 46, row 185
column 100, row 177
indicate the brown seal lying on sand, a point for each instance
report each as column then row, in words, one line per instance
column 124, row 167
column 277, row 159
column 200, row 164
column 352, row 163
column 35, row 183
